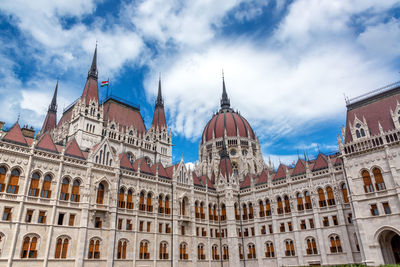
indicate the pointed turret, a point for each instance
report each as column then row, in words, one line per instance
column 91, row 90
column 225, row 165
column 159, row 120
column 225, row 102
column 51, row 117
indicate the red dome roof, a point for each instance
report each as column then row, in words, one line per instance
column 227, row 119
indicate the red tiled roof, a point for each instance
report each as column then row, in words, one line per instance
column 321, row 162
column 170, row 170
column 227, row 119
column 196, row 180
column 47, row 143
column 281, row 172
column 144, row 168
column 15, row 135
column 29, row 140
column 204, row 179
column 91, row 90
column 246, row 182
column 161, row 170
column 336, row 161
column 263, row 178
column 124, row 161
column 124, row 115
column 49, row 122
column 66, row 117
column 300, row 167
column 72, row 149
column 225, row 167
column 375, row 110
column 159, row 118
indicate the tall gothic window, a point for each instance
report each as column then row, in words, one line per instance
column 46, row 187
column 13, row 187
column 34, row 187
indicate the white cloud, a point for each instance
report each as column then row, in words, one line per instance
column 278, row 159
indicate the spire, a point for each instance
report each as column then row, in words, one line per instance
column 53, row 104
column 224, row 152
column 93, row 69
column 159, row 120
column 51, row 118
column 159, row 101
column 91, row 90
column 225, row 102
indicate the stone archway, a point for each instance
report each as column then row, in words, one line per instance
column 389, row 242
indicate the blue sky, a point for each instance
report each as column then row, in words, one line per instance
column 287, row 64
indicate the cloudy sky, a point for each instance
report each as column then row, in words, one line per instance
column 287, row 64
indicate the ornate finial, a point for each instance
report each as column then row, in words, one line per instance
column 19, row 114
column 93, row 69
column 225, row 102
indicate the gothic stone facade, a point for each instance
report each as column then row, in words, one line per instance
column 99, row 189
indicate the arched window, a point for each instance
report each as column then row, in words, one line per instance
column 210, row 216
column 245, row 217
column 129, row 200
column 223, row 212
column 13, row 187
column 362, row 132
column 196, row 210
column 144, row 250
column 64, row 194
column 94, row 249
column 321, row 196
column 345, row 193
column 183, row 206
column 75, row 197
column 268, row 207
column 61, row 248
column 163, row 251
column 379, row 183
column 269, row 249
column 46, row 187
column 300, row 205
column 311, row 246
column 3, row 172
column 240, row 252
column 287, row 204
column 200, row 252
column 261, row 207
column 121, row 198
column 160, row 204
column 100, row 193
column 122, row 249
column 34, row 187
column 149, row 206
column 307, row 200
column 251, row 211
column 29, row 248
column 280, row 205
column 214, row 252
column 182, row 251
column 226, row 252
column 167, row 209
column 289, row 248
column 336, row 246
column 142, row 206
column 331, row 197
column 202, row 215
column 215, row 212
column 236, row 212
column 358, row 134
column 252, row 251
column 367, row 182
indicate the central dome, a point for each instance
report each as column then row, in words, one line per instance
column 231, row 122
column 226, row 120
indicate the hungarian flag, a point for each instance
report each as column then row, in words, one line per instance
column 104, row 83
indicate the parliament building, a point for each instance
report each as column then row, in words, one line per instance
column 97, row 188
